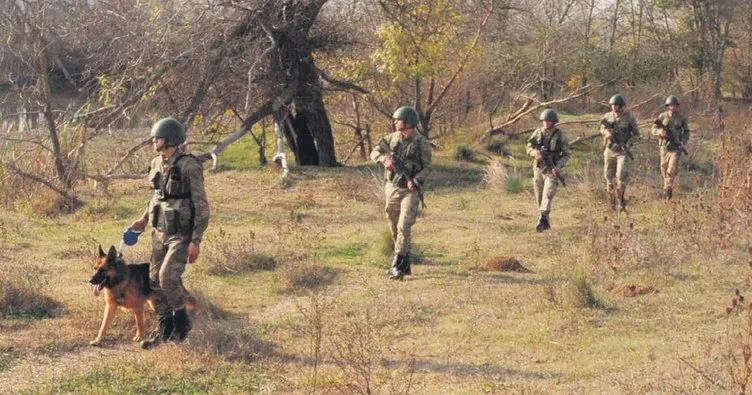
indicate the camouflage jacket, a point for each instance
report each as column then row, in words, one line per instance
column 676, row 126
column 179, row 204
column 414, row 152
column 623, row 126
column 552, row 143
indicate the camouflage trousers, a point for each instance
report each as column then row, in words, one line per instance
column 545, row 186
column 615, row 167
column 669, row 166
column 169, row 255
column 401, row 211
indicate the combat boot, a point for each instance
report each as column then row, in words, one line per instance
column 160, row 334
column 546, row 223
column 542, row 222
column 396, row 272
column 182, row 325
column 407, row 264
column 394, row 265
column 668, row 193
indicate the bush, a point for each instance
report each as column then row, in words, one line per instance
column 498, row 147
column 464, row 153
column 301, row 274
column 228, row 255
column 21, row 292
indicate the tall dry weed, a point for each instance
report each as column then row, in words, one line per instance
column 734, row 175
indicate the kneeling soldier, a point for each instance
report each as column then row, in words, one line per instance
column 673, row 131
column 406, row 156
column 549, row 147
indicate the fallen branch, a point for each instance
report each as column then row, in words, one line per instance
column 527, row 108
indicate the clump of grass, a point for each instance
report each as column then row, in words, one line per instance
column 464, row 153
column 236, row 255
column 21, row 292
column 498, row 147
column 302, row 274
column 585, row 295
column 497, row 175
column 233, row 340
column 513, row 183
column 385, row 243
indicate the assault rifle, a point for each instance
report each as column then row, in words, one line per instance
column 669, row 137
column 616, row 141
column 548, row 162
column 401, row 172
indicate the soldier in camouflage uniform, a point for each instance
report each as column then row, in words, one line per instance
column 618, row 128
column 549, row 147
column 406, row 150
column 179, row 213
column 672, row 129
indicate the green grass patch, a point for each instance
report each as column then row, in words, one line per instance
column 138, row 377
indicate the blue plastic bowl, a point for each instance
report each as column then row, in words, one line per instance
column 130, row 237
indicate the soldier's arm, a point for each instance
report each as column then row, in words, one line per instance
column 532, row 147
column 379, row 153
column 603, row 128
column 195, row 173
column 425, row 161
column 565, row 151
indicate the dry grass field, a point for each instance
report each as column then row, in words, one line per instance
column 293, row 296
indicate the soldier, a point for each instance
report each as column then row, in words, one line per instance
column 673, row 131
column 548, row 146
column 406, row 156
column 618, row 128
column 179, row 213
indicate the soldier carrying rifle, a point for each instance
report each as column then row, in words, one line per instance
column 618, row 128
column 406, row 156
column 672, row 129
column 550, row 150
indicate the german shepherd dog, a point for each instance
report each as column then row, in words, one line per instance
column 125, row 286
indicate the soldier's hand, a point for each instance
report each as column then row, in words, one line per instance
column 664, row 133
column 411, row 185
column 555, row 171
column 139, row 225
column 193, row 251
column 388, row 163
column 608, row 134
column 538, row 155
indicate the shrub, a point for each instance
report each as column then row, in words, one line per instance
column 236, row 255
column 464, row 153
column 21, row 292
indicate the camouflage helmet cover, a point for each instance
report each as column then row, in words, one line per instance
column 549, row 115
column 407, row 114
column 169, row 129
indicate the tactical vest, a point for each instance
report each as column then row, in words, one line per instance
column 172, row 210
column 546, row 148
column 409, row 154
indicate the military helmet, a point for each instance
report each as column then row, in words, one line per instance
column 672, row 100
column 618, row 100
column 549, row 115
column 169, row 129
column 407, row 114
